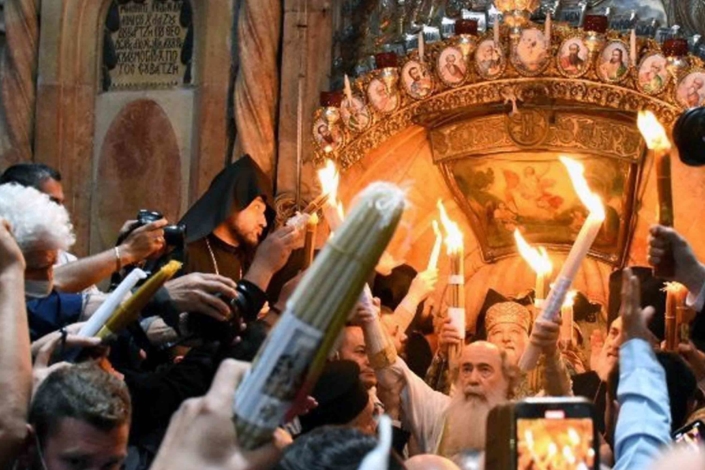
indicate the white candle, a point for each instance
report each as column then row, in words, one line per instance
column 348, row 90
column 421, row 46
column 556, row 297
column 547, row 32
column 496, row 31
column 581, row 247
column 632, row 47
column 436, row 252
column 106, row 309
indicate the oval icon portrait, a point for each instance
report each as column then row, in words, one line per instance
column 489, row 60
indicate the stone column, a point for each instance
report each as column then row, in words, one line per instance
column 257, row 83
column 18, row 77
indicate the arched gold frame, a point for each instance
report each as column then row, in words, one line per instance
column 551, row 86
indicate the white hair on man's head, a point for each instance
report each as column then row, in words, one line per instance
column 37, row 222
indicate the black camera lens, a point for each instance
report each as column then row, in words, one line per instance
column 175, row 235
column 145, row 217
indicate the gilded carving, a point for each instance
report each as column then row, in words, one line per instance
column 527, row 128
column 488, row 91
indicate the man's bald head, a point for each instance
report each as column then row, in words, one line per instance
column 484, row 372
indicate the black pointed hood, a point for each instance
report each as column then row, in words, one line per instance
column 233, row 188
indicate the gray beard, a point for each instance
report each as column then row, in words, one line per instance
column 466, row 422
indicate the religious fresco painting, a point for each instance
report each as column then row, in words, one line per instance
column 451, row 66
column 530, row 56
column 532, row 192
column 573, row 57
column 691, row 90
column 613, row 63
column 417, row 79
column 489, row 60
column 653, row 75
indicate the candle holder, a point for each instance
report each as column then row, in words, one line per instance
column 466, row 31
column 676, row 52
column 595, row 26
column 330, row 101
column 517, row 14
column 386, row 63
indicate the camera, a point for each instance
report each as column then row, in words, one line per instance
column 174, row 235
column 543, row 433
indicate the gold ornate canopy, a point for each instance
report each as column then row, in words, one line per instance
column 478, row 93
column 498, row 117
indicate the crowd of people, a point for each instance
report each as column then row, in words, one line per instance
column 402, row 389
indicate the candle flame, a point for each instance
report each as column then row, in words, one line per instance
column 454, row 237
column 570, row 298
column 673, row 287
column 653, row 132
column 537, row 258
column 436, row 229
column 329, row 178
column 577, row 176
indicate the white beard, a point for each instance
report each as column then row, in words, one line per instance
column 466, row 422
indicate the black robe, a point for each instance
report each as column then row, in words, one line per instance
column 233, row 189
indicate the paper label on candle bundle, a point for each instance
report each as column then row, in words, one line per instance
column 555, row 299
column 267, row 392
column 456, row 280
column 457, row 319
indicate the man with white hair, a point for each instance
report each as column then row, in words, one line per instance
column 442, row 424
column 41, row 229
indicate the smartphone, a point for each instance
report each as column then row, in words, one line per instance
column 536, row 433
column 692, row 434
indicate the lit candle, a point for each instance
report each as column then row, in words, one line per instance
column 540, row 263
column 657, row 141
column 547, row 31
column 586, row 237
column 675, row 299
column 456, row 281
column 632, row 47
column 348, row 90
column 567, row 318
column 421, row 46
column 329, row 178
column 436, row 252
column 310, row 241
column 496, row 32
column 106, row 309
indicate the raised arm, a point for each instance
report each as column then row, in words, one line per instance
column 85, row 272
column 15, row 356
column 421, row 287
column 644, row 423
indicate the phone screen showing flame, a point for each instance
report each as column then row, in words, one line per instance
column 555, row 443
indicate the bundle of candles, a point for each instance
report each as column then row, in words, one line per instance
column 678, row 316
column 660, row 147
column 289, row 363
column 130, row 310
column 456, row 280
column 588, row 233
column 111, row 317
column 540, row 263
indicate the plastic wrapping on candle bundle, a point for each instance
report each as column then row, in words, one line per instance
column 288, row 365
column 106, row 309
